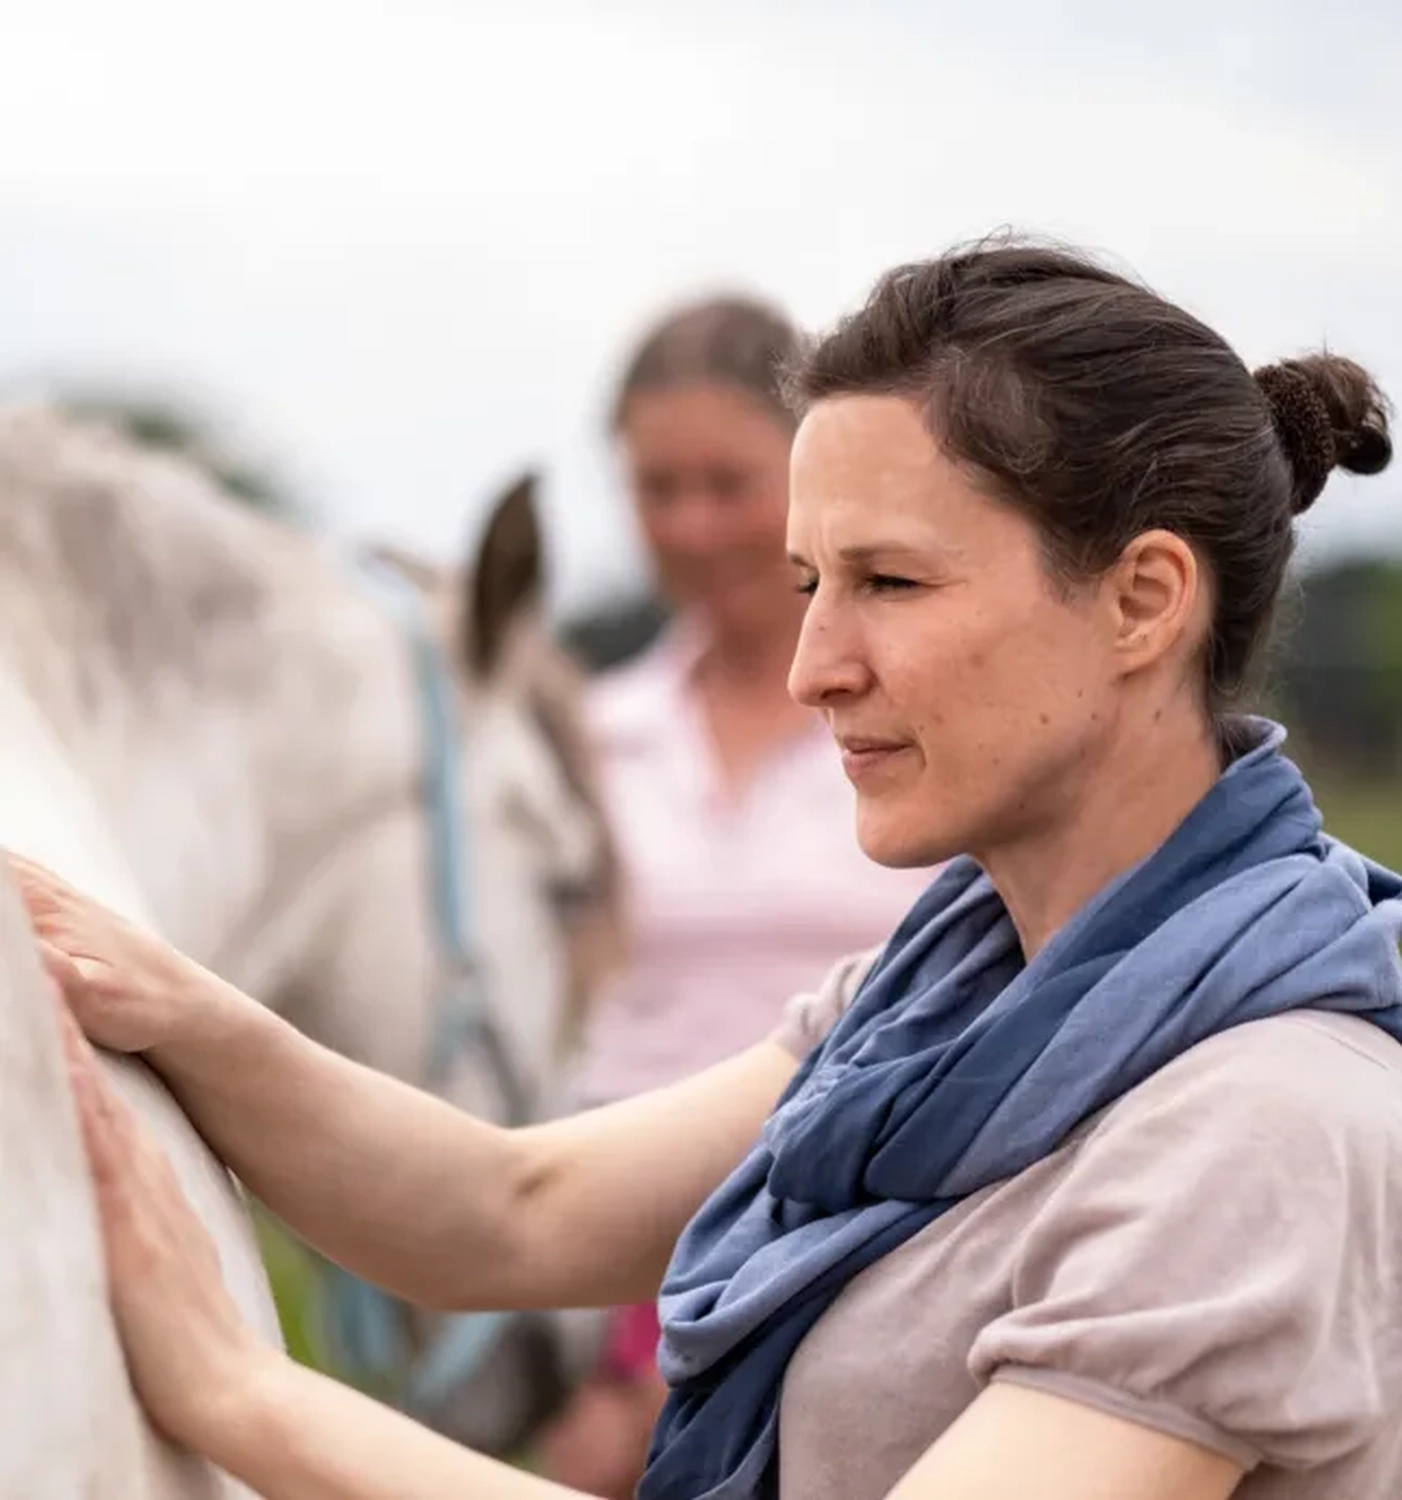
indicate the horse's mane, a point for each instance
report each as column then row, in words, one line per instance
column 127, row 558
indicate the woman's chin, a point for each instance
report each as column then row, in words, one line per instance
column 896, row 841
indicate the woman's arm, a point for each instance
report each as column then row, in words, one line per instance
column 301, row 1437
column 404, row 1190
column 297, row 1435
column 207, row 1381
column 580, row 1212
column 291, row 1434
column 210, row 1384
column 1014, row 1442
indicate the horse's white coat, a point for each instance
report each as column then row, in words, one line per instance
column 71, row 1426
column 208, row 724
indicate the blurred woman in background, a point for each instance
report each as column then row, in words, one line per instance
column 734, row 818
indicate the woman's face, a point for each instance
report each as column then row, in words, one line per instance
column 969, row 693
column 709, row 472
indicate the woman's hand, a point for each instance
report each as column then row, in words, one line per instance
column 207, row 1381
column 129, row 990
column 195, row 1364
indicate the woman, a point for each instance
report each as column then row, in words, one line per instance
column 733, row 817
column 1090, row 1183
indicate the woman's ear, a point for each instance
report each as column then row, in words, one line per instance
column 1157, row 593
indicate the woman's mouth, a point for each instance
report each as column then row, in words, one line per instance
column 864, row 758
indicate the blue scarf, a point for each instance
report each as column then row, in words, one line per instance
column 958, row 1065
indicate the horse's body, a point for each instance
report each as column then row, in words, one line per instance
column 71, row 1423
column 210, row 724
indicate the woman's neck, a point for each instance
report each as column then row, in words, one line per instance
column 1124, row 807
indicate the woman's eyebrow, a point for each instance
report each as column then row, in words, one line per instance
column 867, row 554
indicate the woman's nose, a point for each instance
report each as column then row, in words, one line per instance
column 828, row 662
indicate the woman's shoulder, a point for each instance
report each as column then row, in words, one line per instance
column 1204, row 1256
column 1307, row 1070
column 811, row 1014
column 1300, row 1108
column 1280, row 1139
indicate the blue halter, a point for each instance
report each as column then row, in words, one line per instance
column 366, row 1327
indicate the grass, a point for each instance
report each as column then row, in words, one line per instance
column 1365, row 814
column 292, row 1272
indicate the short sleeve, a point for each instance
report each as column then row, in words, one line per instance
column 810, row 1015
column 1220, row 1260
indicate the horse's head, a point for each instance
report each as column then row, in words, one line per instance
column 526, row 761
column 535, row 897
column 503, row 858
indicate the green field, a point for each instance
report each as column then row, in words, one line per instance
column 1368, row 816
column 291, row 1269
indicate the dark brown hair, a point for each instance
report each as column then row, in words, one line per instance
column 1100, row 411
column 732, row 341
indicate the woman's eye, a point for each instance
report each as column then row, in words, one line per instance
column 878, row 583
column 729, row 484
column 885, row 583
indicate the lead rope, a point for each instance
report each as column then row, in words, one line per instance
column 369, row 1325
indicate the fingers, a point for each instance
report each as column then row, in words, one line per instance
column 32, row 870
column 64, row 939
column 80, row 986
column 38, row 885
column 63, row 969
column 116, row 1147
column 184, row 1339
column 100, row 1113
column 50, row 903
column 54, row 905
column 132, row 1180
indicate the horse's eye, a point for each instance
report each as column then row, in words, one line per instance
column 522, row 817
column 572, row 895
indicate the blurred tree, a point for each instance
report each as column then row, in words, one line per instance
column 615, row 633
column 1338, row 665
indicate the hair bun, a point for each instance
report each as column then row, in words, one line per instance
column 1328, row 413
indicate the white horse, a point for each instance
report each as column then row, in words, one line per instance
column 71, row 1424
column 212, row 723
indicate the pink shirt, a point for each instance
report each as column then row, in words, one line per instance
column 735, row 906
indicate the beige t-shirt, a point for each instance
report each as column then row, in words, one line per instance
column 1218, row 1255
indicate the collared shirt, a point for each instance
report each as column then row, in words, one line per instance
column 736, row 901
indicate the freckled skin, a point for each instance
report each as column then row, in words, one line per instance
column 1054, row 735
column 975, row 658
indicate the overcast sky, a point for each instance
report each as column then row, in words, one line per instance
column 403, row 244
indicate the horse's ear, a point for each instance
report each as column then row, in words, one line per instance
column 508, row 577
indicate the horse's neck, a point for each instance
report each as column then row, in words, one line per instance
column 49, row 813
column 230, row 801
column 264, row 805
column 200, row 667
column 241, row 716
column 215, row 789
column 71, row 1425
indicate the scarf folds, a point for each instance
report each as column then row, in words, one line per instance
column 958, row 1065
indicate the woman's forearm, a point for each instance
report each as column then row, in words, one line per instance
column 397, row 1186
column 297, row 1435
column 441, row 1208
